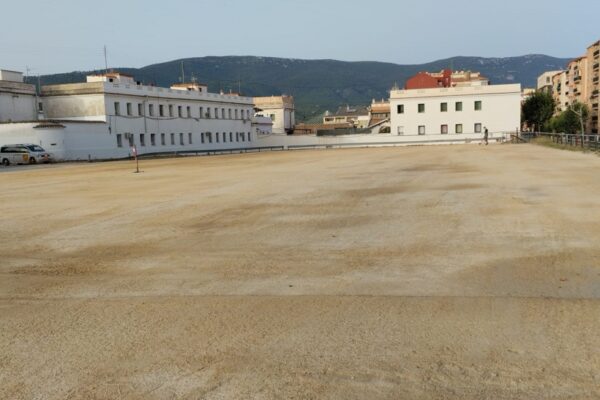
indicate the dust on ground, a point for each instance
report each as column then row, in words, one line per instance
column 422, row 272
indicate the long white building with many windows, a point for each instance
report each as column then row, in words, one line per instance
column 438, row 113
column 111, row 113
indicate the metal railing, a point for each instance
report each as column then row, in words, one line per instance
column 588, row 142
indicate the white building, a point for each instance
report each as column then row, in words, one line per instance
column 110, row 113
column 280, row 109
column 439, row 113
column 18, row 101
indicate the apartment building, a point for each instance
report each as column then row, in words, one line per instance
column 593, row 84
column 545, row 81
column 280, row 109
column 560, row 90
column 466, row 111
column 18, row 100
column 580, row 82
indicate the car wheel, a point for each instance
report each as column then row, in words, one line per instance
column 5, row 162
column 32, row 160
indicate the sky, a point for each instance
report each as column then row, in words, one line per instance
column 52, row 36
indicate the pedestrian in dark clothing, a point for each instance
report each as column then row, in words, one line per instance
column 485, row 136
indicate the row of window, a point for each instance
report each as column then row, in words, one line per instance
column 458, row 106
column 205, row 137
column 458, row 129
column 169, row 111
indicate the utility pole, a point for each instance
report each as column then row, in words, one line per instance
column 580, row 115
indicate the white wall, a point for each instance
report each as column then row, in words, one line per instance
column 501, row 109
column 17, row 107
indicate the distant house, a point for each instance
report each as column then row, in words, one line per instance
column 446, row 79
column 357, row 117
column 280, row 109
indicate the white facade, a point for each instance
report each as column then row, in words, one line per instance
column 18, row 101
column 280, row 109
column 438, row 113
column 154, row 119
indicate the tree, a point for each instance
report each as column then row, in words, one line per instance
column 570, row 121
column 538, row 110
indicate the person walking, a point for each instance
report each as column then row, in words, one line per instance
column 485, row 136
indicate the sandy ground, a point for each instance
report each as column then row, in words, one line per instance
column 457, row 272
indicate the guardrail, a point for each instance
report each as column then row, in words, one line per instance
column 590, row 142
column 208, row 152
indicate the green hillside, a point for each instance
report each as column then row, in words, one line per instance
column 320, row 85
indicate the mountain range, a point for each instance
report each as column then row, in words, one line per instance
column 320, row 85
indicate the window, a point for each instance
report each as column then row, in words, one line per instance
column 224, row 137
column 117, row 108
column 209, row 137
column 222, row 113
column 478, row 105
column 217, row 137
column 129, row 110
column 444, row 129
column 458, row 106
column 249, row 136
column 142, row 139
column 140, row 109
column 153, row 139
column 119, row 140
column 163, row 141
column 243, row 136
column 181, row 139
column 231, row 136
column 458, row 128
column 421, row 108
column 478, row 128
column 179, row 111
column 237, row 136
column 443, row 107
column 229, row 113
column 172, row 139
column 216, row 113
column 236, row 114
column 400, row 130
column 190, row 138
column 151, row 109
column 421, row 129
column 189, row 111
column 272, row 117
column 202, row 137
column 131, row 139
column 201, row 112
column 171, row 110
column 400, row 109
column 207, row 112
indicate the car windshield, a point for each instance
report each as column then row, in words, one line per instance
column 35, row 148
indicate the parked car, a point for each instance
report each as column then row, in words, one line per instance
column 23, row 154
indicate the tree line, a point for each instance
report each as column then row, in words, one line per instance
column 539, row 114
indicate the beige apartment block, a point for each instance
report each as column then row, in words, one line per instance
column 560, row 91
column 593, row 84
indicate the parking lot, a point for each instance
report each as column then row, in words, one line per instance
column 422, row 272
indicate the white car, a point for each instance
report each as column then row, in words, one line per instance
column 23, row 154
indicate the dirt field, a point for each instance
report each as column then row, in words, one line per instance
column 400, row 273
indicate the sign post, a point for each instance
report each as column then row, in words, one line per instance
column 135, row 155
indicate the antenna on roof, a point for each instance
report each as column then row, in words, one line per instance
column 105, row 60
